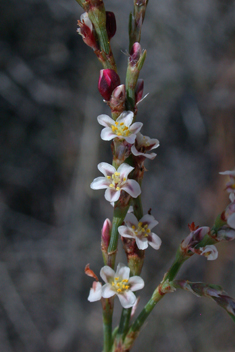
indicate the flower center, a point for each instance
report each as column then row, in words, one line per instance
column 141, row 230
column 119, row 285
column 115, row 181
column 120, row 129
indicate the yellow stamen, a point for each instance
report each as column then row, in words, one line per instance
column 118, row 188
column 122, row 123
column 116, row 278
column 108, row 177
column 111, row 185
column 119, row 290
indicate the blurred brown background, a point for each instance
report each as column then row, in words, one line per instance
column 50, row 220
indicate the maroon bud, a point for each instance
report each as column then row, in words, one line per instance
column 139, row 90
column 108, row 81
column 135, row 54
column 110, row 24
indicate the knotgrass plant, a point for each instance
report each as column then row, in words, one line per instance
column 122, row 183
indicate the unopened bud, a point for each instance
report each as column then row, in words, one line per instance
column 117, row 100
column 108, row 81
column 105, row 234
column 135, row 54
column 225, row 234
column 139, row 89
column 110, row 24
column 86, row 31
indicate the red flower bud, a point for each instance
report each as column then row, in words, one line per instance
column 105, row 233
column 108, row 81
column 135, row 54
column 139, row 90
column 86, row 31
column 110, row 24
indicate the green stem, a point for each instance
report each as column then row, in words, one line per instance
column 119, row 214
column 156, row 297
column 107, row 322
column 138, row 209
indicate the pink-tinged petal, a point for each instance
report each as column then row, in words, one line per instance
column 111, row 195
column 229, row 173
column 107, row 134
column 149, row 220
column 130, row 210
column 122, row 271
column 130, row 219
column 154, row 241
column 105, row 120
column 132, row 187
column 106, row 169
column 210, row 252
column 127, row 299
column 125, row 231
column 136, row 127
column 107, row 273
column 142, row 243
column 124, row 170
column 231, row 221
column 95, row 292
column 99, row 183
column 130, row 139
column 232, row 197
column 107, row 291
column 153, row 144
column 136, row 283
column 126, row 117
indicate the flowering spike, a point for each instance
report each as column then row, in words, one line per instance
column 108, row 81
column 110, row 24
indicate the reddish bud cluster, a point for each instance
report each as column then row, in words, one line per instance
column 110, row 24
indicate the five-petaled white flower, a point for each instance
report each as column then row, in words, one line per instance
column 122, row 128
column 144, row 144
column 141, row 231
column 121, row 284
column 230, row 186
column 116, row 181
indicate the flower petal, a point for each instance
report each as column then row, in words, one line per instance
column 130, row 220
column 111, row 195
column 132, row 187
column 154, row 241
column 107, row 134
column 99, row 183
column 126, row 117
column 107, row 291
column 231, row 221
column 95, row 292
column 149, row 220
column 210, row 252
column 126, row 231
column 130, row 139
column 136, row 283
column 122, row 271
column 136, row 127
column 106, row 169
column 107, row 273
column 142, row 243
column 127, row 299
column 124, row 170
column 105, row 120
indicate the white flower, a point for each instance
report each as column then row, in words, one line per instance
column 120, row 284
column 141, row 231
column 95, row 292
column 116, row 181
column 210, row 252
column 230, row 186
column 122, row 128
column 143, row 144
